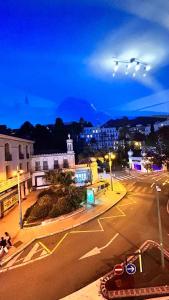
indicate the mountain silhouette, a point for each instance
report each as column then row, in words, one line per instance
column 72, row 109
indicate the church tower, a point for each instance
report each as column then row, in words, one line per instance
column 69, row 142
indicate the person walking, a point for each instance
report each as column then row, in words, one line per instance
column 4, row 244
column 8, row 239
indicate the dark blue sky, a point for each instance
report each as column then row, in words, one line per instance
column 50, row 50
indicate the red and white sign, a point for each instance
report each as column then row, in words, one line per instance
column 118, row 269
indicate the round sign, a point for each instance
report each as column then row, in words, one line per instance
column 118, row 269
column 130, row 269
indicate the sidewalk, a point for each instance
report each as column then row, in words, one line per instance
column 22, row 237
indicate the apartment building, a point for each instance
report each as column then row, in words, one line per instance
column 14, row 153
column 100, row 137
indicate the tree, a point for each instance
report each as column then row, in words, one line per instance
column 56, row 177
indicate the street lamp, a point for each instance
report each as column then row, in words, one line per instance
column 110, row 156
column 130, row 154
column 19, row 172
column 158, row 190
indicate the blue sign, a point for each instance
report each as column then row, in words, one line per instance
column 90, row 196
column 130, row 269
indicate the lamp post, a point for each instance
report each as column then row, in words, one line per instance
column 110, row 156
column 130, row 154
column 19, row 197
column 158, row 190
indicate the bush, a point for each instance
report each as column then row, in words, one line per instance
column 39, row 212
column 54, row 211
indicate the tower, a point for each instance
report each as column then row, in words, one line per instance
column 69, row 142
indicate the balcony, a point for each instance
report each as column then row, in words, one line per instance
column 8, row 156
column 21, row 156
column 7, row 184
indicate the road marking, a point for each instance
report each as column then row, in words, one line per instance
column 97, row 250
column 43, row 253
column 59, row 242
column 45, row 248
column 31, row 253
column 152, row 184
column 13, row 260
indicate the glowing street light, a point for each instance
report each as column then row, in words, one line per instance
column 110, row 156
column 116, row 66
column 137, row 67
column 18, row 173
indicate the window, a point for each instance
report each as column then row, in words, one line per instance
column 45, row 165
column 21, row 156
column 8, row 156
column 27, row 166
column 37, row 166
column 20, row 166
column 8, row 172
column 65, row 164
column 27, row 152
column 56, row 164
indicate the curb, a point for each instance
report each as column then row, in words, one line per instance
column 63, row 217
column 147, row 244
column 3, row 262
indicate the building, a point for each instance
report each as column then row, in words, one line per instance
column 14, row 153
column 100, row 137
column 159, row 125
column 86, row 173
column 44, row 162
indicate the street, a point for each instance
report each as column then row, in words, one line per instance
column 56, row 266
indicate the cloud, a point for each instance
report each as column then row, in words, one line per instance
column 157, row 102
column 145, row 41
column 156, row 11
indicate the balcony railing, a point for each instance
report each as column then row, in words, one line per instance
column 7, row 184
column 27, row 155
column 8, row 156
column 21, row 156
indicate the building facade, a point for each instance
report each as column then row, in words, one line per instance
column 15, row 153
column 159, row 125
column 100, row 137
column 45, row 162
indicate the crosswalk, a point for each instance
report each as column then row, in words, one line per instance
column 31, row 253
column 124, row 177
column 136, row 188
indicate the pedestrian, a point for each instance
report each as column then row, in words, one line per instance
column 4, row 244
column 8, row 239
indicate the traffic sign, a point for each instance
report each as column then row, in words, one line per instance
column 130, row 269
column 118, row 269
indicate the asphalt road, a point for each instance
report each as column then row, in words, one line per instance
column 109, row 238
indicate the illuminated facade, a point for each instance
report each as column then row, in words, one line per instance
column 44, row 162
column 14, row 152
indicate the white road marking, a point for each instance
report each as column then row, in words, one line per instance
column 13, row 260
column 152, row 184
column 31, row 252
column 97, row 250
column 44, row 252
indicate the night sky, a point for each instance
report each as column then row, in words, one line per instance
column 54, row 49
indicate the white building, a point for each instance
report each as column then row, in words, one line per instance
column 44, row 162
column 14, row 152
column 100, row 137
column 159, row 125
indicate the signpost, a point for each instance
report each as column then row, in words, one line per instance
column 118, row 269
column 130, row 269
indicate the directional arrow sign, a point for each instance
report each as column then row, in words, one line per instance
column 131, row 269
column 97, row 250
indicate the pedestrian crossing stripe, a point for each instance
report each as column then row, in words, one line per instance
column 34, row 250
